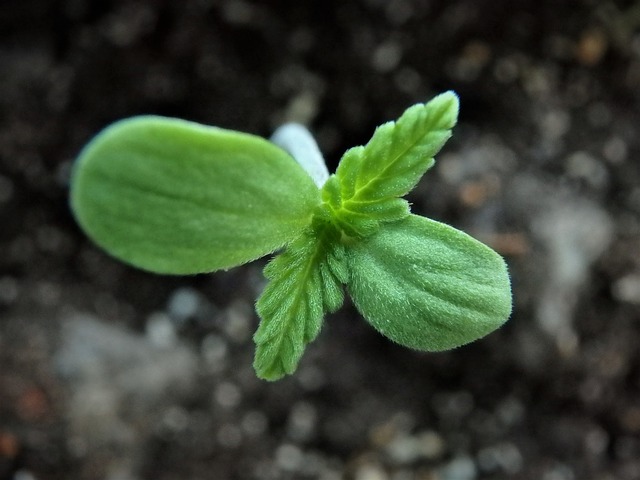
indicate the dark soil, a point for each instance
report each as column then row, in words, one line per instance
column 110, row 373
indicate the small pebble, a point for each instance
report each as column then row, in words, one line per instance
column 615, row 150
column 289, row 457
column 596, row 442
column 387, row 56
column 183, row 303
column 555, row 124
column 23, row 475
column 559, row 472
column 160, row 330
column 592, row 47
column 505, row 457
column 460, row 468
column 627, row 289
column 370, row 472
column 405, row 449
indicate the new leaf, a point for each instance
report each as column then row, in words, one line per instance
column 369, row 179
column 177, row 197
column 305, row 281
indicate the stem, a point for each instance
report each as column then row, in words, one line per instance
column 300, row 144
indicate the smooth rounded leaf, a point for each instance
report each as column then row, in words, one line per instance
column 177, row 197
column 428, row 286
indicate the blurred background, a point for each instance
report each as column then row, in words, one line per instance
column 111, row 373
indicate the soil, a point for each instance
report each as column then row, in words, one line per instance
column 107, row 372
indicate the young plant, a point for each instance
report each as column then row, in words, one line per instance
column 176, row 197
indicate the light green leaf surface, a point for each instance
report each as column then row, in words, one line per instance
column 176, row 197
column 369, row 179
column 428, row 286
column 304, row 283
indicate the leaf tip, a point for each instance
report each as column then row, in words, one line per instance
column 449, row 103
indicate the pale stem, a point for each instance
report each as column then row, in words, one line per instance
column 300, row 144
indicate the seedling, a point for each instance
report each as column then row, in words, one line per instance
column 176, row 197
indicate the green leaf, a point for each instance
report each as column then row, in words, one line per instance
column 392, row 162
column 305, row 281
column 176, row 197
column 428, row 286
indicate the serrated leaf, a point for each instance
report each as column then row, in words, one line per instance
column 428, row 286
column 400, row 152
column 393, row 161
column 176, row 197
column 303, row 284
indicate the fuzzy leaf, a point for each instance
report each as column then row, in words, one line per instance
column 304, row 283
column 176, row 197
column 393, row 161
column 428, row 286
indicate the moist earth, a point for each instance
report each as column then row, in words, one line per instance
column 107, row 372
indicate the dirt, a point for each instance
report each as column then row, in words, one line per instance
column 111, row 373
